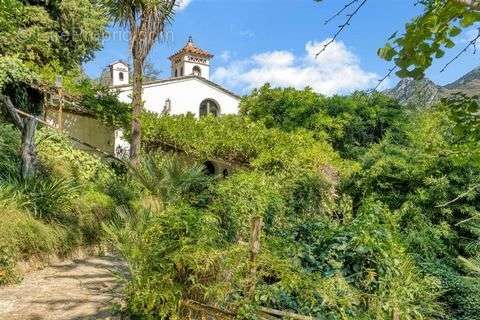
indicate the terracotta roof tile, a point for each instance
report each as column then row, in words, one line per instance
column 191, row 48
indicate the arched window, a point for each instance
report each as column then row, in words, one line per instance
column 197, row 71
column 176, row 73
column 120, row 76
column 181, row 72
column 208, row 106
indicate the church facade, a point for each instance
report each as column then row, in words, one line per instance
column 188, row 89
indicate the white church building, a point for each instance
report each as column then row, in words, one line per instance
column 188, row 90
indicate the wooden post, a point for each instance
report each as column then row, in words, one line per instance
column 257, row 223
column 60, row 111
column 395, row 315
column 58, row 84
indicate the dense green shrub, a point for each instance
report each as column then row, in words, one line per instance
column 418, row 176
column 365, row 261
column 46, row 197
column 22, row 232
column 172, row 178
column 351, row 123
column 313, row 260
column 58, row 157
column 92, row 208
column 243, row 196
column 241, row 141
column 21, row 235
column 173, row 253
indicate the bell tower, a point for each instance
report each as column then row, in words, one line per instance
column 119, row 73
column 191, row 61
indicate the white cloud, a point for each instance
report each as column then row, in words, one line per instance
column 225, row 56
column 182, row 4
column 247, row 33
column 337, row 70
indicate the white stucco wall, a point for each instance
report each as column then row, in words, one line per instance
column 188, row 63
column 116, row 69
column 185, row 95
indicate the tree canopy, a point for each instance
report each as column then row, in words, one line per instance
column 351, row 123
column 40, row 40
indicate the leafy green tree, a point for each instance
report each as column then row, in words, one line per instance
column 464, row 112
column 146, row 21
column 351, row 123
column 35, row 38
column 422, row 175
column 426, row 37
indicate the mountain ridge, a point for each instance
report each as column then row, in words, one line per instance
column 426, row 92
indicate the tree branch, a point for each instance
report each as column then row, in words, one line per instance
column 463, row 195
column 472, row 43
column 342, row 27
column 339, row 12
column 380, row 81
column 8, row 104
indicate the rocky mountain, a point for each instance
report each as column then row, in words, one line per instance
column 426, row 92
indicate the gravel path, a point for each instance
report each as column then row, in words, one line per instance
column 74, row 290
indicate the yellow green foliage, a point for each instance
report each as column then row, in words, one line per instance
column 240, row 140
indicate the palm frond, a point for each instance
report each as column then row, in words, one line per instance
column 146, row 20
column 170, row 178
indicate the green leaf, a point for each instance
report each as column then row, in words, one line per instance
column 455, row 31
column 387, row 52
column 394, row 35
column 403, row 73
column 469, row 18
column 449, row 44
column 440, row 53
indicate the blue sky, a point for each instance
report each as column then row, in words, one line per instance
column 273, row 40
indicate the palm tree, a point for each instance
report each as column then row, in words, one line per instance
column 146, row 21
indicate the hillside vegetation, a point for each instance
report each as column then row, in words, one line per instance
column 345, row 207
column 369, row 211
column 55, row 212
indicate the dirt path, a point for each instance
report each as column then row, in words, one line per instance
column 75, row 290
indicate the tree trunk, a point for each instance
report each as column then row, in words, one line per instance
column 137, row 105
column 27, row 127
column 28, row 151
